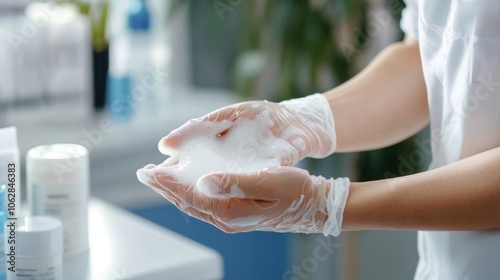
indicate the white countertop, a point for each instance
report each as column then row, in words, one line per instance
column 125, row 246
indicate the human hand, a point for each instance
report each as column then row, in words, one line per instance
column 283, row 199
column 306, row 124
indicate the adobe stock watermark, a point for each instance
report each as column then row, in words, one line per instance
column 40, row 15
column 321, row 253
column 485, row 88
column 122, row 107
column 224, row 6
column 91, row 138
column 378, row 22
column 414, row 161
column 248, row 151
column 96, row 136
column 265, row 145
column 185, row 217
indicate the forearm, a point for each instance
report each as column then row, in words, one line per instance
column 383, row 104
column 461, row 196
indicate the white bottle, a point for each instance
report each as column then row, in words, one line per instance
column 3, row 218
column 144, row 85
column 58, row 186
column 34, row 247
column 138, row 75
column 9, row 167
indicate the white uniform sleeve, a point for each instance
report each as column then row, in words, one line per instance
column 409, row 19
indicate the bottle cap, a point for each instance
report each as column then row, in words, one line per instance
column 9, row 139
column 138, row 16
column 59, row 161
column 37, row 236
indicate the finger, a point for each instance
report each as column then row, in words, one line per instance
column 227, row 228
column 149, row 166
column 169, row 144
column 147, row 177
column 260, row 185
column 228, row 214
column 143, row 174
column 212, row 220
column 193, row 212
column 214, row 211
column 219, row 212
column 171, row 161
column 226, row 113
column 249, row 186
column 221, row 208
column 227, row 185
column 174, row 140
column 167, row 182
column 240, row 213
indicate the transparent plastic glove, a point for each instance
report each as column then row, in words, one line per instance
column 283, row 199
column 305, row 123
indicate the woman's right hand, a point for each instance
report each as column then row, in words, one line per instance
column 306, row 124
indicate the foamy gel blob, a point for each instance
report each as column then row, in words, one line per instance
column 247, row 146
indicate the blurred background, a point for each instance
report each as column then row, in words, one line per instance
column 117, row 75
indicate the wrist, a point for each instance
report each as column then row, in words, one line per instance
column 369, row 205
column 316, row 120
column 335, row 205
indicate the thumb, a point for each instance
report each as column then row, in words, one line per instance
column 250, row 185
column 169, row 144
column 214, row 123
column 262, row 185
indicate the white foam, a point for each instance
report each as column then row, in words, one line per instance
column 247, row 146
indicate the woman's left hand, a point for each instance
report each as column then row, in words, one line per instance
column 283, row 199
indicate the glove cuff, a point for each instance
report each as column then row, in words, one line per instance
column 315, row 112
column 335, row 205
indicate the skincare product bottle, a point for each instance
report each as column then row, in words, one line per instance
column 37, row 251
column 138, row 77
column 3, row 218
column 140, row 43
column 118, row 86
column 9, row 166
column 58, row 186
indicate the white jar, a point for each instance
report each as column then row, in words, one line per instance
column 34, row 247
column 58, row 186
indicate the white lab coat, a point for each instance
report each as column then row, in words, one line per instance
column 460, row 50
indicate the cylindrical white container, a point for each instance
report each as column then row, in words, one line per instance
column 10, row 168
column 36, row 252
column 58, row 186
